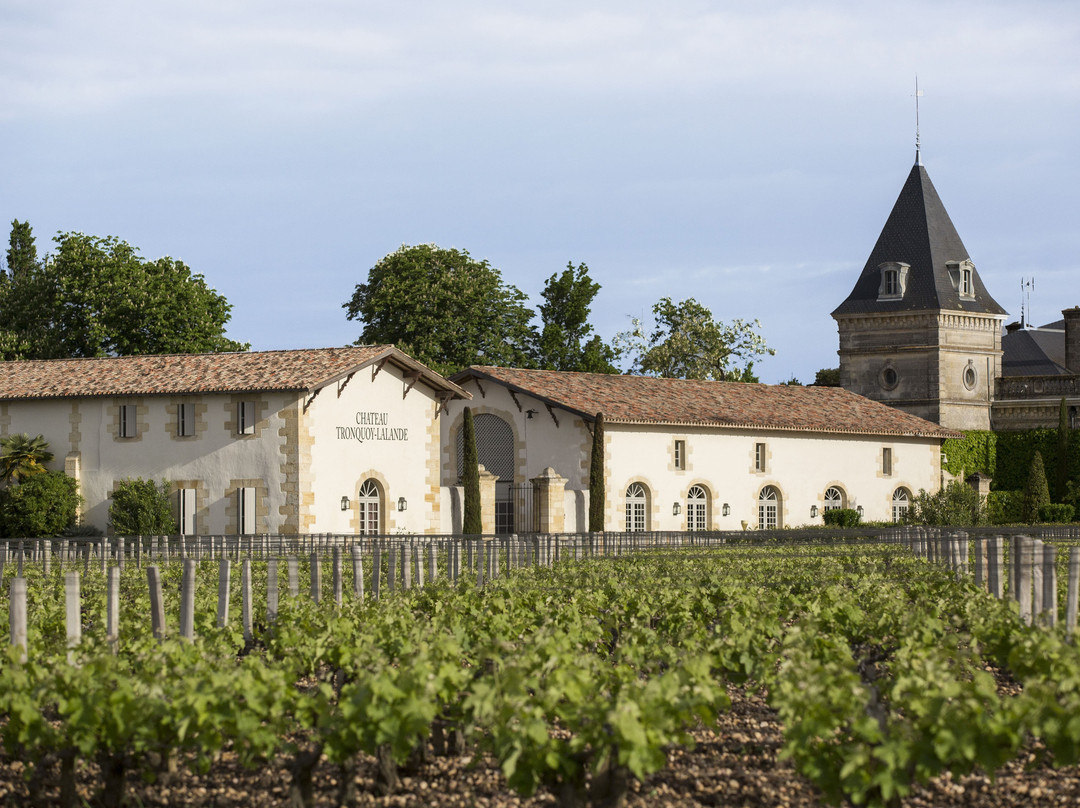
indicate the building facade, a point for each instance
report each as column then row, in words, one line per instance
column 327, row 440
column 686, row 455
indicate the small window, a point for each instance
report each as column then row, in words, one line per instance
column 128, row 424
column 245, row 417
column 245, row 510
column 971, row 376
column 759, row 457
column 892, row 283
column 185, row 420
column 680, row 454
column 967, row 287
column 186, row 508
column 888, row 378
column 886, row 461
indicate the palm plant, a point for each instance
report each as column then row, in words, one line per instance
column 22, row 456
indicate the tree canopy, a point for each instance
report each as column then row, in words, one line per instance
column 22, row 456
column 444, row 308
column 687, row 343
column 564, row 342
column 99, row 297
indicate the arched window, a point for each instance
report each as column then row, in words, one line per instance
column 900, row 499
column 369, row 502
column 697, row 501
column 834, row 498
column 768, row 508
column 636, row 507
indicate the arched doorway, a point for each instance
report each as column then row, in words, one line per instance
column 901, row 499
column 495, row 452
column 697, row 508
column 834, row 498
column 369, row 506
column 769, row 508
column 637, row 508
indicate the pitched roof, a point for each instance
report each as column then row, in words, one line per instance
column 650, row 400
column 255, row 371
column 1034, row 351
column 918, row 232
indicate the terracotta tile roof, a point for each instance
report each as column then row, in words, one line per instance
column 255, row 371
column 648, row 400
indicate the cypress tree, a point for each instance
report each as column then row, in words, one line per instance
column 1061, row 480
column 596, row 477
column 1037, row 493
column 472, row 520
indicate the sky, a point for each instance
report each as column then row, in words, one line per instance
column 746, row 154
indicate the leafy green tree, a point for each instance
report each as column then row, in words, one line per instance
column 41, row 506
column 564, row 342
column 687, row 343
column 98, row 297
column 472, row 523
column 1037, row 492
column 954, row 504
column 597, row 492
column 827, row 377
column 141, row 508
column 22, row 251
column 445, row 308
column 22, row 456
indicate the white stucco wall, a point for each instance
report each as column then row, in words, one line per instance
column 374, row 429
column 216, row 458
column 801, row 465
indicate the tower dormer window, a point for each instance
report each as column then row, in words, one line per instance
column 893, row 280
column 962, row 275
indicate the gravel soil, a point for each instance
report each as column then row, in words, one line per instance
column 732, row 764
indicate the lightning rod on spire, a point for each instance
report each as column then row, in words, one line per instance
column 918, row 95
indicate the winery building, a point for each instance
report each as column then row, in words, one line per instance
column 685, row 455
column 339, row 440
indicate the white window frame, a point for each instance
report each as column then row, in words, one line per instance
column 129, row 423
column 637, row 505
column 369, row 507
column 185, row 420
column 680, row 455
column 892, row 283
column 886, row 461
column 697, row 508
column 760, row 457
column 967, row 285
column 246, row 511
column 245, row 417
column 187, row 511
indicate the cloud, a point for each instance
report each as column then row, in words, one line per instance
column 63, row 58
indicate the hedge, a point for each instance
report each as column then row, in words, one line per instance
column 1006, row 457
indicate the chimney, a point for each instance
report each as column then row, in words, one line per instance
column 1072, row 339
column 1013, row 326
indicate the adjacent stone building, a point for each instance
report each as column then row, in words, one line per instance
column 919, row 331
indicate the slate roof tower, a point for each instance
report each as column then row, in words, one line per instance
column 919, row 331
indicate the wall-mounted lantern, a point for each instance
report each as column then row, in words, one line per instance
column 344, row 503
column 726, row 510
column 402, row 504
column 859, row 509
column 676, row 509
column 813, row 511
